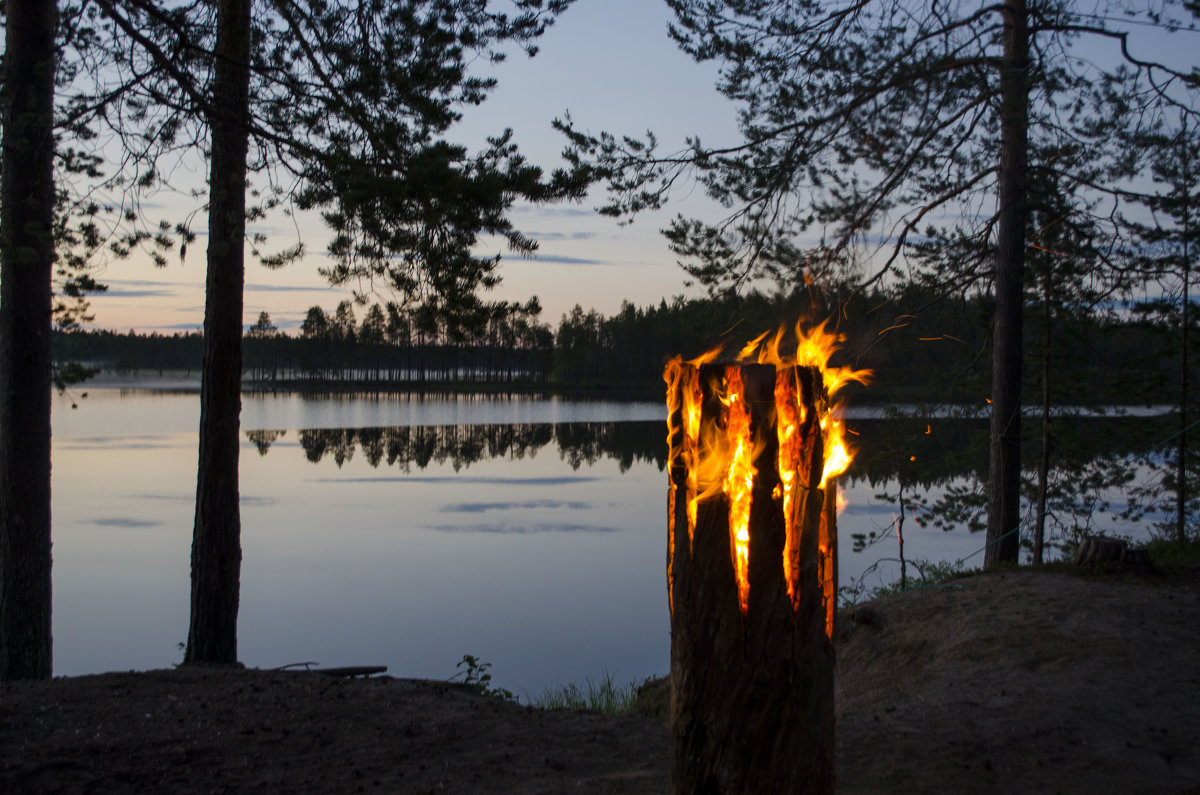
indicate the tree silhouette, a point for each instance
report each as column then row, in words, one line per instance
column 867, row 121
column 342, row 107
column 1167, row 244
column 26, row 259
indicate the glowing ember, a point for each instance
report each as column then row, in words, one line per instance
column 717, row 450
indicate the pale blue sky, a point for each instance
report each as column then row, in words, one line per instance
column 611, row 64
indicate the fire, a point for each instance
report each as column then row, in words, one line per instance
column 739, row 480
column 684, row 444
column 814, row 348
column 713, row 455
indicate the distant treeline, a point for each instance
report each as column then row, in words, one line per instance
column 920, row 348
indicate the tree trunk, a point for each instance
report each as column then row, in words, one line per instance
column 1039, row 524
column 752, row 681
column 26, row 258
column 1004, row 475
column 216, row 539
column 1181, row 446
column 900, row 525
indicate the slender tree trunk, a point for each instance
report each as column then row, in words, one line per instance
column 900, row 528
column 216, row 540
column 26, row 258
column 1004, row 486
column 1039, row 525
column 1181, row 448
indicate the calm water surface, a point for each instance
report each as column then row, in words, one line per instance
column 392, row 531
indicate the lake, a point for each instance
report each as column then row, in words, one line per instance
column 394, row 530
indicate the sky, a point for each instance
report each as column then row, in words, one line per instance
column 611, row 64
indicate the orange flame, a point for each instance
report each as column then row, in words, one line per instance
column 739, row 479
column 719, row 459
column 814, row 348
column 684, row 445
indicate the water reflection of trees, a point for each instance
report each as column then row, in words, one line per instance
column 930, row 452
column 940, row 465
column 925, row 453
column 1100, row 468
column 409, row 447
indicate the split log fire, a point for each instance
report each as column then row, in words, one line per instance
column 752, row 566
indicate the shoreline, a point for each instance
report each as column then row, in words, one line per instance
column 863, row 406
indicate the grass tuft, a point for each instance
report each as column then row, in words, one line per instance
column 601, row 696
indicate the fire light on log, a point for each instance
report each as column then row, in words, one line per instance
column 755, row 445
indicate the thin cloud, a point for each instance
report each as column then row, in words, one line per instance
column 135, row 293
column 147, row 283
column 560, row 260
column 286, row 288
column 561, row 212
column 562, row 235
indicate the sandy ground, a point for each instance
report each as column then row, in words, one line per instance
column 1015, row 682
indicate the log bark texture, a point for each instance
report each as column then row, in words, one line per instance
column 752, row 694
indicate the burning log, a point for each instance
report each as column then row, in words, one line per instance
column 751, row 575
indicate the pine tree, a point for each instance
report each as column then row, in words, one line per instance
column 1167, row 243
column 26, row 260
column 870, row 121
column 346, row 113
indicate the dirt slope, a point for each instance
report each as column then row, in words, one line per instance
column 1023, row 682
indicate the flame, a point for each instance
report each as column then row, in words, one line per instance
column 789, row 417
column 815, row 346
column 673, row 375
column 684, row 446
column 739, row 479
column 719, row 455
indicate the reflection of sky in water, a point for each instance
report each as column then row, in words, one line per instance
column 521, row 528
column 483, row 507
column 550, row 573
column 353, row 569
column 548, row 567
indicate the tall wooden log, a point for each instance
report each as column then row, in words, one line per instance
column 752, row 683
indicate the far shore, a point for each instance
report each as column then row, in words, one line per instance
column 189, row 381
column 864, row 405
